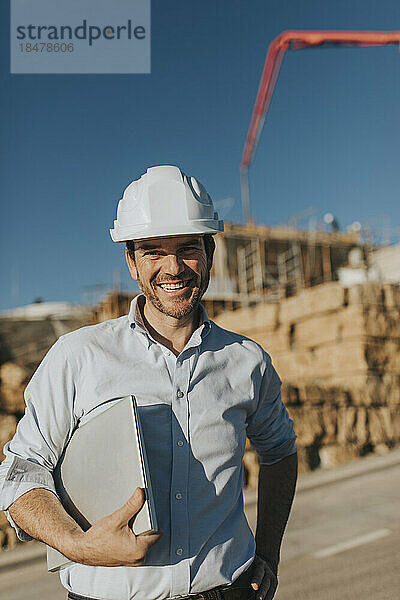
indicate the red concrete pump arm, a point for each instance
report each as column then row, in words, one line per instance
column 296, row 40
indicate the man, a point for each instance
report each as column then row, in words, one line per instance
column 199, row 389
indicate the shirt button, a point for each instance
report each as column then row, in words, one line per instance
column 179, row 394
column 179, row 443
column 179, row 551
column 178, row 496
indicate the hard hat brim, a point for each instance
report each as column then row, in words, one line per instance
column 125, row 234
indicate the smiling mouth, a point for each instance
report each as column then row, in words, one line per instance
column 173, row 287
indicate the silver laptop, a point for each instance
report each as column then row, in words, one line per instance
column 102, row 465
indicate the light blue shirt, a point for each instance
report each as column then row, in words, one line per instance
column 195, row 411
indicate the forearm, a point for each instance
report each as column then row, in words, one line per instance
column 110, row 542
column 40, row 514
column 276, row 489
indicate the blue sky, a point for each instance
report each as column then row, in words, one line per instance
column 69, row 144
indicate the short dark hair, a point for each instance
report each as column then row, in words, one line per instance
column 130, row 246
column 209, row 246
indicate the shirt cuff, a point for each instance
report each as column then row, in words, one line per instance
column 21, row 534
column 22, row 476
column 10, row 494
column 274, row 455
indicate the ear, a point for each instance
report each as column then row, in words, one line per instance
column 131, row 265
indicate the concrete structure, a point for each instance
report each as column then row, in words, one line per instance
column 276, row 262
column 385, row 264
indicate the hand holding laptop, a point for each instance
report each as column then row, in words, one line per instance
column 92, row 485
column 111, row 542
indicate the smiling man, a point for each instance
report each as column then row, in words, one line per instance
column 200, row 389
column 177, row 291
column 173, row 274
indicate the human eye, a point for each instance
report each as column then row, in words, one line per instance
column 189, row 249
column 152, row 253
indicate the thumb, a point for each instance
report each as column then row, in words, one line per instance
column 131, row 507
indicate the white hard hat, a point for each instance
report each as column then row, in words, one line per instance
column 164, row 202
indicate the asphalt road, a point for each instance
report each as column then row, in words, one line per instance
column 342, row 543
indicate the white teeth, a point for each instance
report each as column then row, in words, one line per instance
column 169, row 287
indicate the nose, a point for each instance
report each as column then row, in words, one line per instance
column 173, row 265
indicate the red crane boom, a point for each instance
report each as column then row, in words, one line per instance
column 295, row 40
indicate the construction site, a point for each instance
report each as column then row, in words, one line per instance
column 322, row 301
column 335, row 344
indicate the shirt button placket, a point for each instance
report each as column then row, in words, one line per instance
column 179, row 482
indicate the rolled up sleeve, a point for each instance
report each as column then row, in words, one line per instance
column 43, row 431
column 269, row 428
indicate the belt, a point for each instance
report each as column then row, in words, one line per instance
column 228, row 593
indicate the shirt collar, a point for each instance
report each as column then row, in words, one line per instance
column 136, row 322
column 135, row 313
